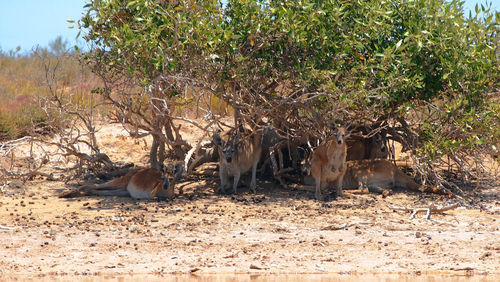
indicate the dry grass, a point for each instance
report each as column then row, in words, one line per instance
column 23, row 87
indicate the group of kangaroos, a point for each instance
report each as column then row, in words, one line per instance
column 341, row 161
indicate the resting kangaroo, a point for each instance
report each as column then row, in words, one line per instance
column 376, row 175
column 237, row 156
column 327, row 162
column 360, row 148
column 138, row 183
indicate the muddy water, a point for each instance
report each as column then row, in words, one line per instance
column 263, row 277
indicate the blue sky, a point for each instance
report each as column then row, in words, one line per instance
column 28, row 23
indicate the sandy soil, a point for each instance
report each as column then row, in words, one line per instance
column 277, row 230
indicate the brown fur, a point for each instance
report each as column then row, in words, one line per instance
column 236, row 157
column 379, row 174
column 138, row 183
column 359, row 148
column 327, row 162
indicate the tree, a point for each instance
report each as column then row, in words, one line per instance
column 146, row 52
column 420, row 69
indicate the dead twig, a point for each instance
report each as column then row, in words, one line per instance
column 333, row 227
column 9, row 227
column 337, row 227
column 28, row 175
column 432, row 208
column 9, row 145
column 194, row 151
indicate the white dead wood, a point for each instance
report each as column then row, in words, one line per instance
column 9, row 145
column 335, row 227
column 9, row 227
column 432, row 208
column 194, row 150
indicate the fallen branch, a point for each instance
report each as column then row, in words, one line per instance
column 337, row 227
column 428, row 210
column 28, row 175
column 194, row 151
column 8, row 145
column 334, row 227
column 9, row 227
column 31, row 173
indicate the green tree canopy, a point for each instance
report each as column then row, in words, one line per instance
column 422, row 66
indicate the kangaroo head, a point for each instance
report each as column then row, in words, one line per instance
column 380, row 141
column 176, row 170
column 226, row 147
column 340, row 134
column 165, row 183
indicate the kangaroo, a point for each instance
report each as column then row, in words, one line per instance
column 378, row 174
column 360, row 148
column 138, row 183
column 237, row 156
column 327, row 162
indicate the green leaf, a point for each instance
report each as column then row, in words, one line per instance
column 399, row 44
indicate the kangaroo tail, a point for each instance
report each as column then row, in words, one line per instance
column 99, row 190
column 71, row 194
column 107, row 188
column 403, row 180
column 406, row 181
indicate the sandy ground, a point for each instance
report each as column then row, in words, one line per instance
column 276, row 231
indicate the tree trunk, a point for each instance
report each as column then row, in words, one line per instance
column 178, row 150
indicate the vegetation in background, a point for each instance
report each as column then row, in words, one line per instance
column 18, row 91
column 421, row 69
column 24, row 90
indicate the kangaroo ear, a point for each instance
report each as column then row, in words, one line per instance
column 331, row 126
column 348, row 133
column 237, row 137
column 216, row 138
column 162, row 168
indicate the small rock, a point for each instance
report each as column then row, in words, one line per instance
column 253, row 266
column 17, row 185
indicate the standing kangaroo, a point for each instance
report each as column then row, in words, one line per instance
column 327, row 162
column 237, row 155
column 138, row 183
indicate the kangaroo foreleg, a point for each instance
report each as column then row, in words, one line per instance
column 253, row 183
column 236, row 180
